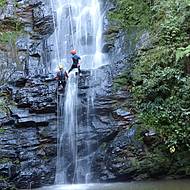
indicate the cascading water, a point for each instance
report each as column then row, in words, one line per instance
column 78, row 25
column 67, row 130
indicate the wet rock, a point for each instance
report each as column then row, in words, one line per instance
column 149, row 137
column 50, row 151
column 120, row 113
column 34, row 121
column 21, row 134
column 5, row 91
column 24, row 104
column 7, row 138
column 117, row 155
column 8, row 169
column 107, row 47
column 48, row 132
column 4, row 185
column 28, row 137
column 44, row 26
column 26, row 155
column 104, row 105
column 44, row 108
column 29, row 143
column 6, row 121
column 9, row 153
column 34, row 173
column 22, row 43
column 25, row 124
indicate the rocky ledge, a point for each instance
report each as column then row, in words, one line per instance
column 28, row 133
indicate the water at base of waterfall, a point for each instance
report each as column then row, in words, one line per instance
column 151, row 185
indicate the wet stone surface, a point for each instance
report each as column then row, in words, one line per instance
column 28, row 138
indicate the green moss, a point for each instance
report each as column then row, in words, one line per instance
column 8, row 37
column 17, row 162
column 103, row 146
column 3, row 177
column 4, row 160
column 10, row 30
column 2, row 130
column 3, row 3
column 123, row 80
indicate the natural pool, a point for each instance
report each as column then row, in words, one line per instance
column 153, row 185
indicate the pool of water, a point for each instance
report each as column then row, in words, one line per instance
column 153, row 185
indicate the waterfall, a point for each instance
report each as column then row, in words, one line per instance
column 67, row 130
column 78, row 25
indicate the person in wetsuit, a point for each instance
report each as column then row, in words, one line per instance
column 75, row 59
column 61, row 78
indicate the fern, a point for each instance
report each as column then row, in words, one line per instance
column 182, row 52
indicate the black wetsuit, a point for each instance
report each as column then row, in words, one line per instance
column 62, row 76
column 75, row 59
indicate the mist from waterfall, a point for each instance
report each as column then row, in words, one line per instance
column 78, row 25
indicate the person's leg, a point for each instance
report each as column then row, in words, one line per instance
column 72, row 67
column 79, row 70
column 63, row 83
column 58, row 84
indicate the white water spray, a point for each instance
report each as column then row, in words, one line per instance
column 67, row 130
column 78, row 26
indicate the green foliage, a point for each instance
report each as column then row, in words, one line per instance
column 2, row 130
column 131, row 13
column 8, row 37
column 182, row 52
column 161, row 87
column 123, row 80
column 3, row 106
column 3, row 3
column 5, row 160
column 9, row 31
column 160, row 82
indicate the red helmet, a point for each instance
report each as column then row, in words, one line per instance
column 73, row 51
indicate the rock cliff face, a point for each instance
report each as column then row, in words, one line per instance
column 28, row 134
column 28, row 129
column 31, row 23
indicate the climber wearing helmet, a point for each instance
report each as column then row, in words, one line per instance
column 61, row 77
column 75, row 59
